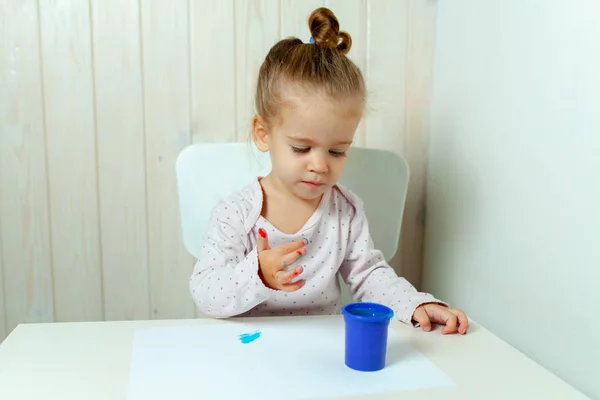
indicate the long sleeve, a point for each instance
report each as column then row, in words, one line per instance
column 225, row 280
column 371, row 278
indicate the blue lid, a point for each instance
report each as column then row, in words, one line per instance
column 367, row 312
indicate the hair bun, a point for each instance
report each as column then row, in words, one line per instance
column 325, row 30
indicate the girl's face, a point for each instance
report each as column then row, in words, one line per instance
column 309, row 142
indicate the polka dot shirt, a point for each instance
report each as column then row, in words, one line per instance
column 225, row 280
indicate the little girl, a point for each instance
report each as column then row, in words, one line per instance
column 276, row 247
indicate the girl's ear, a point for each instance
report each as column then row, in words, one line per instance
column 260, row 133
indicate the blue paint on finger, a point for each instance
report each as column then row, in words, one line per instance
column 246, row 338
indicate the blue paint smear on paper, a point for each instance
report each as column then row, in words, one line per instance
column 246, row 338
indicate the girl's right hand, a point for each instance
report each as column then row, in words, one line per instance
column 273, row 263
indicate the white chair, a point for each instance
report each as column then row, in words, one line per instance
column 208, row 172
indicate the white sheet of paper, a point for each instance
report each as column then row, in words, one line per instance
column 292, row 359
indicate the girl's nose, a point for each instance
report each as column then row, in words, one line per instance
column 318, row 165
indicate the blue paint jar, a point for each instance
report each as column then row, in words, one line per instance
column 366, row 326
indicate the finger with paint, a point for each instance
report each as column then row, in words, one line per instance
column 274, row 263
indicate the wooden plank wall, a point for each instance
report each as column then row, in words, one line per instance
column 97, row 99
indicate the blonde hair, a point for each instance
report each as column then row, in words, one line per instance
column 322, row 66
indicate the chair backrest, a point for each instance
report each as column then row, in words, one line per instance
column 208, row 172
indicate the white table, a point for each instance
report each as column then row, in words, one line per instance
column 90, row 360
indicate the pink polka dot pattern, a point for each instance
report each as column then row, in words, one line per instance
column 225, row 281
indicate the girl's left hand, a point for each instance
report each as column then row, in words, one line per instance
column 453, row 319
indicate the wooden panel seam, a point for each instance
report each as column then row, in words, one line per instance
column 44, row 128
column 143, row 94
column 97, row 163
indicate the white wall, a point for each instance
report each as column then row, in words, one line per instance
column 513, row 210
column 97, row 99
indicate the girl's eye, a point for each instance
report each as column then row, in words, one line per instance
column 337, row 153
column 300, row 149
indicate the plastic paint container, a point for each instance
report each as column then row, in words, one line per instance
column 366, row 326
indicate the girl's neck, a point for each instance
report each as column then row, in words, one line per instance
column 283, row 209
